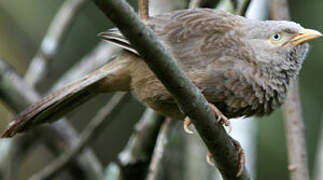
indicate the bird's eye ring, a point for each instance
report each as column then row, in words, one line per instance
column 276, row 36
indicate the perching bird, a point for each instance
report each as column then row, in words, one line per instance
column 242, row 66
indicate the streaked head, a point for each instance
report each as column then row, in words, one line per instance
column 280, row 45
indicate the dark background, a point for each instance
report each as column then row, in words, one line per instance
column 24, row 23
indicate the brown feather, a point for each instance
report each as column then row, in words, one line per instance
column 228, row 57
column 58, row 103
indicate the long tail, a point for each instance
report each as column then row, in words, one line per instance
column 58, row 103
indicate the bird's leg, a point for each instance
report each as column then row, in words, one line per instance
column 221, row 118
column 209, row 159
column 187, row 123
column 143, row 9
column 241, row 157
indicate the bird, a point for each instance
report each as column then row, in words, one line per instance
column 243, row 67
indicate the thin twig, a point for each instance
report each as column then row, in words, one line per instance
column 194, row 4
column 294, row 124
column 186, row 94
column 193, row 154
column 245, row 130
column 58, row 137
column 235, row 4
column 258, row 10
column 195, row 166
column 52, row 41
column 11, row 158
column 161, row 144
column 163, row 6
column 203, row 3
column 143, row 9
column 37, row 71
column 135, row 157
column 279, row 10
column 95, row 127
column 174, row 159
column 239, row 7
column 318, row 168
column 113, row 172
column 100, row 55
column 244, row 7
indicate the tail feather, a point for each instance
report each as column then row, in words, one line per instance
column 56, row 104
column 115, row 37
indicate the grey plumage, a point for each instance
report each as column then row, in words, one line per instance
column 233, row 70
column 242, row 66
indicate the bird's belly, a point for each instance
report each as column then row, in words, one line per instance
column 238, row 102
column 153, row 94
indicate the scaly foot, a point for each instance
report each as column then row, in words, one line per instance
column 221, row 118
column 241, row 157
column 187, row 123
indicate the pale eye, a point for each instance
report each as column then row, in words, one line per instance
column 276, row 37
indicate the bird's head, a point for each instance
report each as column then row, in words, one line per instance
column 280, row 46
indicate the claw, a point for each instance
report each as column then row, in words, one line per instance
column 242, row 158
column 241, row 163
column 209, row 159
column 240, row 154
column 187, row 123
column 229, row 129
column 221, row 118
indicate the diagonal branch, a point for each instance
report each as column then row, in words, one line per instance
column 318, row 166
column 203, row 3
column 143, row 9
column 52, row 41
column 59, row 136
column 135, row 157
column 187, row 95
column 240, row 7
column 155, row 167
column 243, row 7
column 100, row 55
column 95, row 127
column 11, row 158
column 294, row 124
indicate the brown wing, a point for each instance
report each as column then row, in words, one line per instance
column 196, row 37
column 193, row 36
column 115, row 37
column 183, row 25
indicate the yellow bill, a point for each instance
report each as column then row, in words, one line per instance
column 305, row 35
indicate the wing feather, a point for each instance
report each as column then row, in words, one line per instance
column 55, row 104
column 191, row 35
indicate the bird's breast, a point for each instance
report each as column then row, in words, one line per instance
column 236, row 93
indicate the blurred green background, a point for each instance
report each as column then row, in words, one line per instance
column 24, row 23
